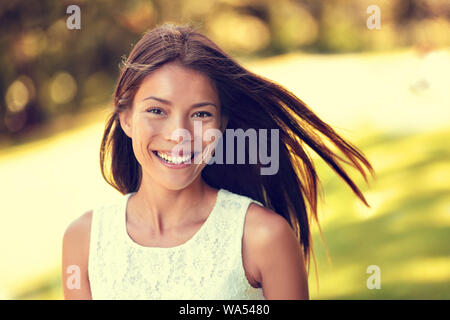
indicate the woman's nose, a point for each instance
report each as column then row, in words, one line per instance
column 177, row 129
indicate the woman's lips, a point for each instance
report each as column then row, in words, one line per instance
column 177, row 162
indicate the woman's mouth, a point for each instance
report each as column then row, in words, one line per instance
column 174, row 160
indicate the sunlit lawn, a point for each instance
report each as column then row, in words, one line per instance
column 48, row 183
column 406, row 231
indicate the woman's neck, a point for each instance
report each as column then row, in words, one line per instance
column 161, row 209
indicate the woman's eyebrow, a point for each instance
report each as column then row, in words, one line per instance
column 196, row 105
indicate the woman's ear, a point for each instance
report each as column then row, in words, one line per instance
column 125, row 123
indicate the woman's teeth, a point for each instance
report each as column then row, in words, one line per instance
column 174, row 160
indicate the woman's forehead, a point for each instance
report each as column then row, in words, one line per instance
column 172, row 81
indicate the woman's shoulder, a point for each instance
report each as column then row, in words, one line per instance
column 79, row 229
column 264, row 223
column 265, row 229
column 81, row 226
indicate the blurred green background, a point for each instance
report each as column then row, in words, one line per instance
column 386, row 90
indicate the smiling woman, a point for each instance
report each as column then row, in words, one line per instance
column 191, row 229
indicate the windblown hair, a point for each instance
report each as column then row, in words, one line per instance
column 249, row 101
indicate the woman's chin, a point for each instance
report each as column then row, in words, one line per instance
column 170, row 185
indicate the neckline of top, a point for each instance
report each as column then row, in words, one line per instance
column 197, row 234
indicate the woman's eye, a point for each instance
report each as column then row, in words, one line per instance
column 203, row 114
column 152, row 110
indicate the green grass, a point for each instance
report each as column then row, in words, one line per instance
column 405, row 233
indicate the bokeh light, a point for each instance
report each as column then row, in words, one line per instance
column 19, row 93
column 63, row 87
column 239, row 32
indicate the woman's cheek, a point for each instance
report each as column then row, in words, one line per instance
column 209, row 140
column 145, row 129
column 143, row 132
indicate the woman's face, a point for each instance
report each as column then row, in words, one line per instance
column 172, row 97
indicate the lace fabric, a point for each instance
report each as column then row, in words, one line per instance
column 207, row 266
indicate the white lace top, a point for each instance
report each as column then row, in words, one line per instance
column 207, row 266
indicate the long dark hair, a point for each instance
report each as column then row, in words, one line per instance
column 248, row 101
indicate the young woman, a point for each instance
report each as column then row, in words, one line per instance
column 188, row 227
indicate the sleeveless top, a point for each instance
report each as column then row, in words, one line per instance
column 208, row 266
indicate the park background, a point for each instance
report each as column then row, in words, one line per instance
column 386, row 90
